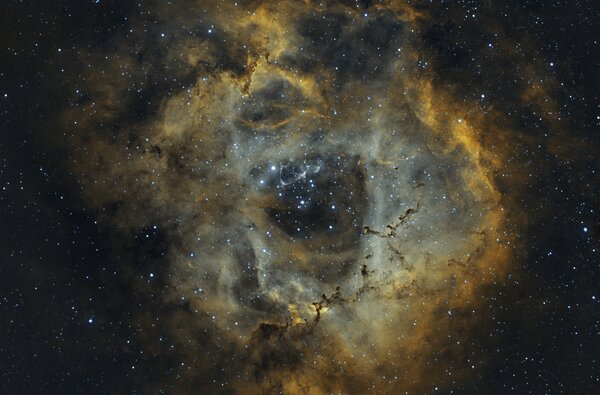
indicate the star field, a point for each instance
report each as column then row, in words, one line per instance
column 299, row 197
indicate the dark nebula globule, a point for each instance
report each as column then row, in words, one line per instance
column 299, row 197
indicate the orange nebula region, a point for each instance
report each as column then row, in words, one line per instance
column 330, row 207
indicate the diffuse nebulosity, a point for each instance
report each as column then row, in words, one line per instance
column 330, row 210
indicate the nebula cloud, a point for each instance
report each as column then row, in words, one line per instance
column 329, row 208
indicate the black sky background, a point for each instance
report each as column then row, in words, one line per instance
column 54, row 256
